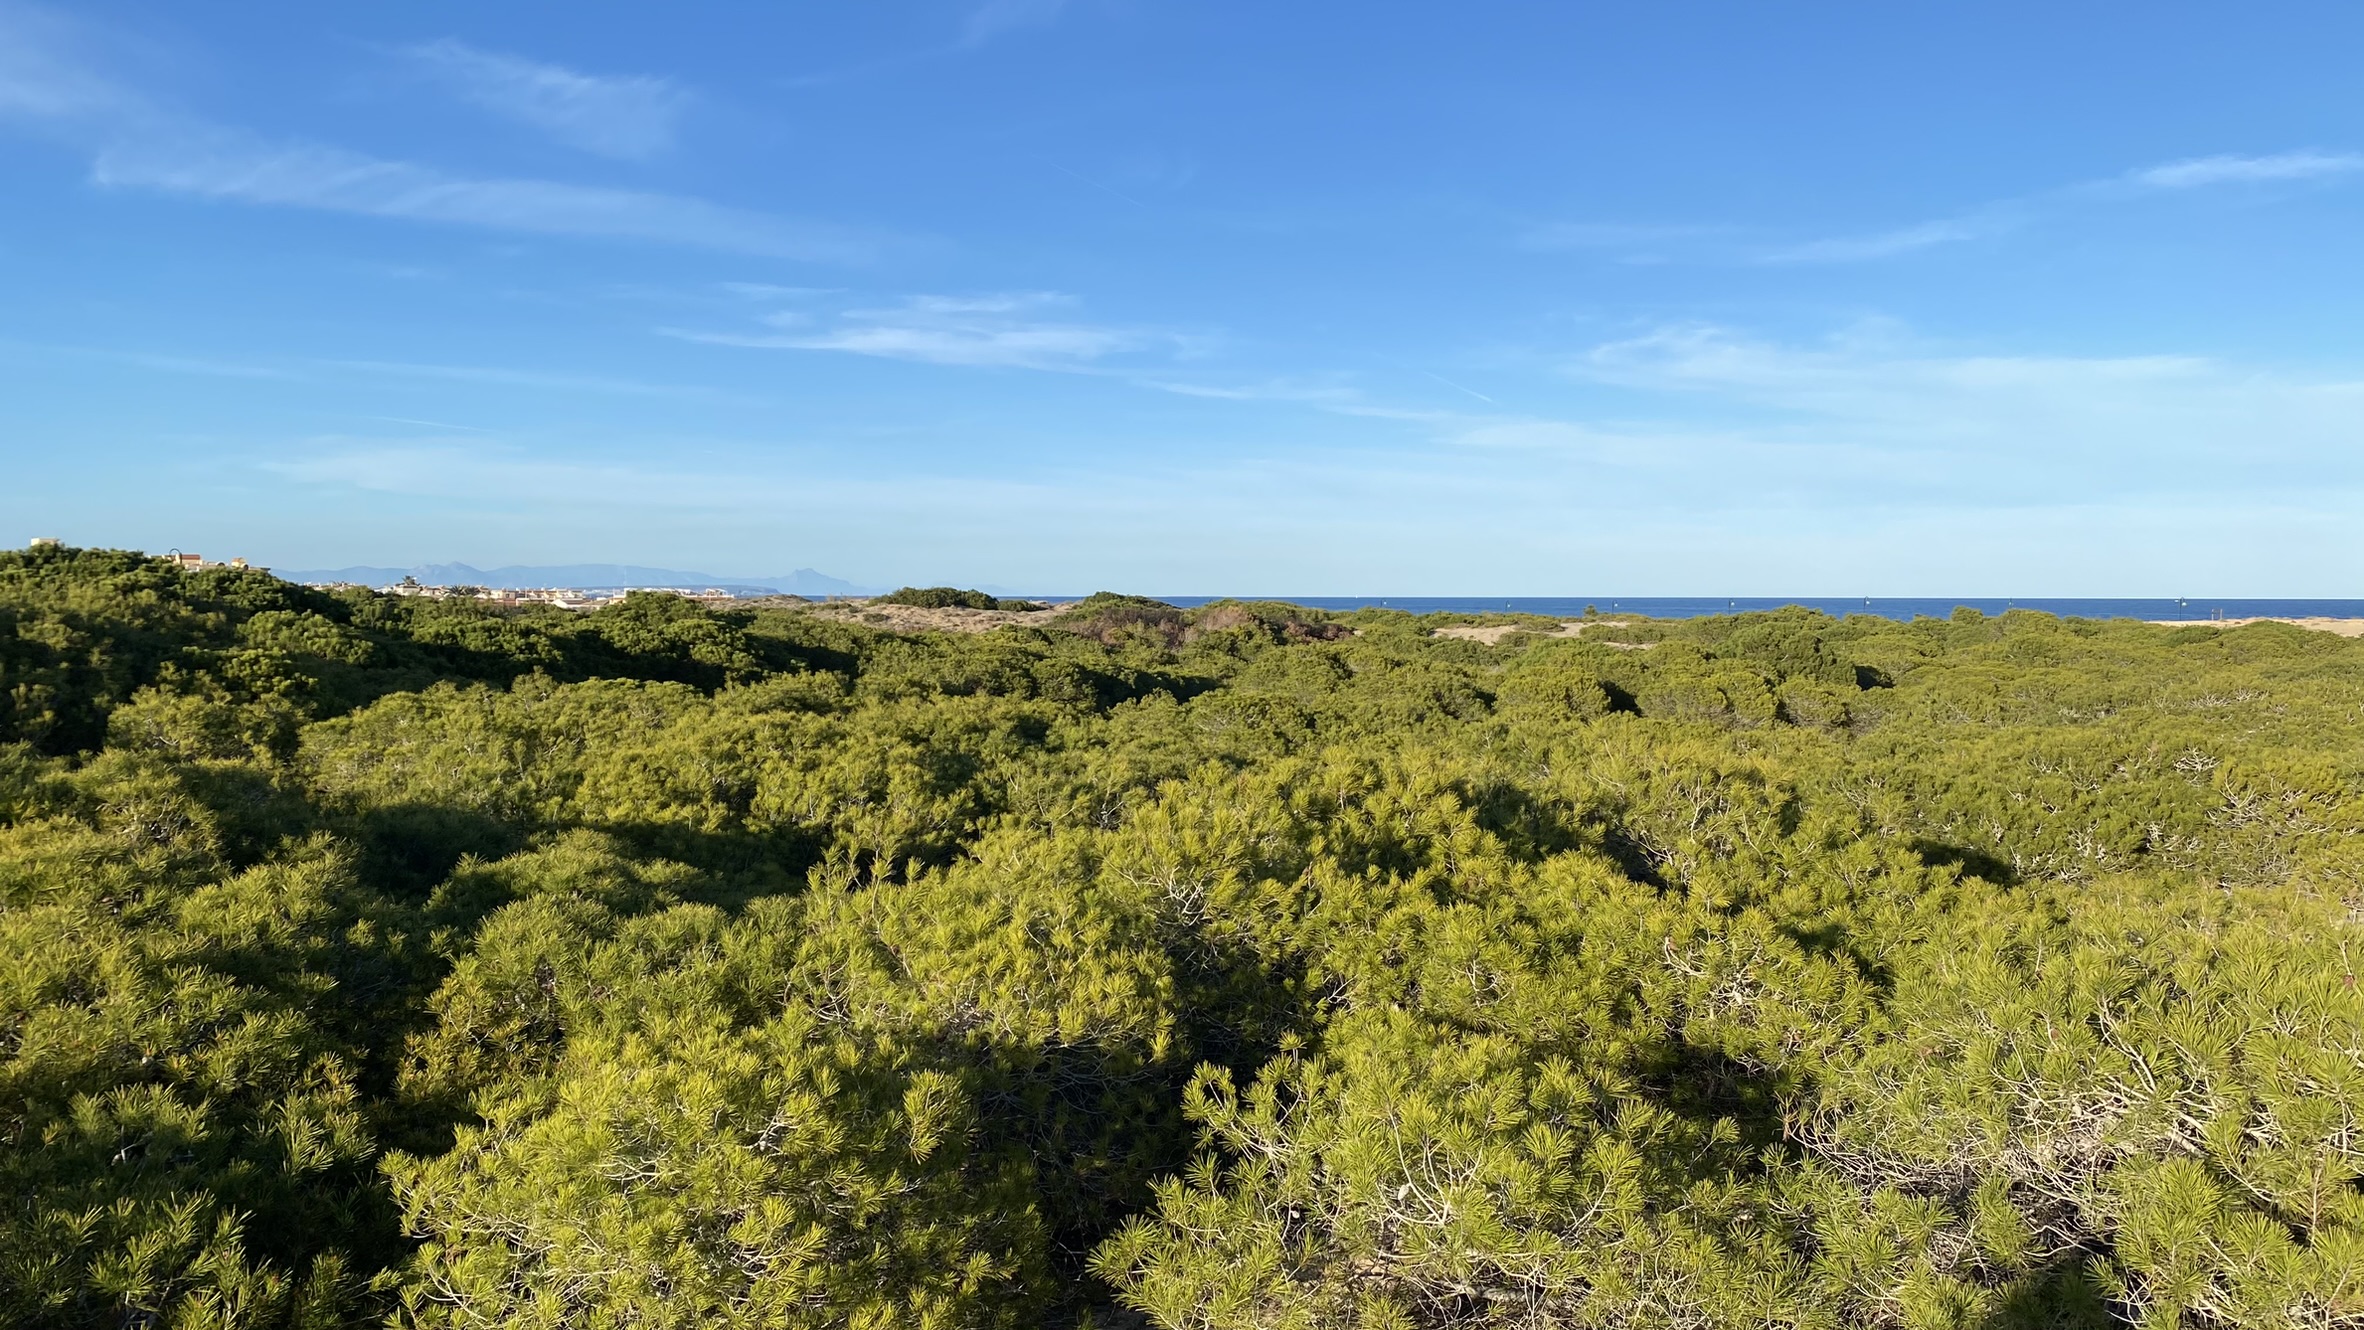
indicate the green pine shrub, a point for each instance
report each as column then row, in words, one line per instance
column 411, row 962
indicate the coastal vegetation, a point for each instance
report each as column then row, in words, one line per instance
column 379, row 960
column 945, row 597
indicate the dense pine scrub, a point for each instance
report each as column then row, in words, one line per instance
column 402, row 961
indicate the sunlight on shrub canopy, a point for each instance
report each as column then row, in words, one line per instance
column 380, row 961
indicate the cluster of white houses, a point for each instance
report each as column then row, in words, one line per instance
column 565, row 598
column 193, row 562
column 187, row 563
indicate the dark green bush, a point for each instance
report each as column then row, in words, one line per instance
column 940, row 598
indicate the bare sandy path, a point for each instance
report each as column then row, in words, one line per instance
column 2343, row 627
column 1492, row 633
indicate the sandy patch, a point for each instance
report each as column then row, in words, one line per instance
column 1491, row 634
column 916, row 619
column 2343, row 627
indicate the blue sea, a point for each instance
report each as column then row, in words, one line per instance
column 1692, row 607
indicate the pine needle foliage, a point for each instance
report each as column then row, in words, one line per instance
column 384, row 962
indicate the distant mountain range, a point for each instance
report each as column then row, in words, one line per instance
column 802, row 582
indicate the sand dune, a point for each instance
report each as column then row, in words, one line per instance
column 1493, row 633
column 2343, row 627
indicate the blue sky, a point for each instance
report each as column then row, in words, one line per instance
column 1317, row 298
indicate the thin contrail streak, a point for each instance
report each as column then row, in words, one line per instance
column 1450, row 384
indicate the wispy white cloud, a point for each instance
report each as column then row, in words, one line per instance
column 1975, row 423
column 137, row 143
column 2195, row 172
column 42, row 75
column 230, row 165
column 1007, row 330
column 1038, row 330
column 1657, row 243
column 628, row 116
column 1726, row 244
column 1889, row 244
column 1877, row 376
column 2003, row 215
column 1869, row 461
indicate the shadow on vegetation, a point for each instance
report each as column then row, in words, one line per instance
column 2062, row 1295
column 410, row 848
column 1974, row 862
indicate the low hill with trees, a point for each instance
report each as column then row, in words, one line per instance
column 379, row 960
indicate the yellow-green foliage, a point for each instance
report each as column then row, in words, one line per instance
column 417, row 963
